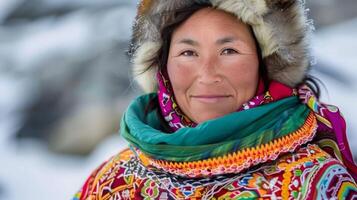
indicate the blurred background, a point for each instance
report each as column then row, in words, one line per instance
column 65, row 81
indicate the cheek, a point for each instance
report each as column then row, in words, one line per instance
column 180, row 75
column 242, row 74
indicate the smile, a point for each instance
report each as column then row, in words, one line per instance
column 210, row 98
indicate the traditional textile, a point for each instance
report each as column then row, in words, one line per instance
column 286, row 165
column 236, row 162
column 331, row 133
column 168, row 106
column 309, row 173
column 247, row 129
column 331, row 125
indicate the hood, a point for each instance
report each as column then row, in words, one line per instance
column 280, row 27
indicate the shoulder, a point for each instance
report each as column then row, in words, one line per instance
column 108, row 176
column 306, row 173
column 315, row 175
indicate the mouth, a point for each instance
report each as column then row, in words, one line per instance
column 210, row 98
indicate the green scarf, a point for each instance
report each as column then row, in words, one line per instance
column 217, row 137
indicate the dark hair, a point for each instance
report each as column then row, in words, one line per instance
column 313, row 83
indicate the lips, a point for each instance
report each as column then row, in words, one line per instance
column 210, row 98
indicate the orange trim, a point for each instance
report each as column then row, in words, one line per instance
column 240, row 160
column 289, row 167
column 108, row 166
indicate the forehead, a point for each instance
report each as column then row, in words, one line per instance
column 206, row 19
column 210, row 24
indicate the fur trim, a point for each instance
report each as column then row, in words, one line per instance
column 280, row 27
column 144, row 76
column 248, row 11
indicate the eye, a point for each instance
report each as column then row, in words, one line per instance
column 229, row 51
column 189, row 53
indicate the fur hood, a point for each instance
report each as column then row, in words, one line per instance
column 280, row 26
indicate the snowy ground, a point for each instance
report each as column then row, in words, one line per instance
column 29, row 171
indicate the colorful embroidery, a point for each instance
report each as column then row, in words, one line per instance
column 150, row 190
column 309, row 173
column 238, row 161
column 169, row 108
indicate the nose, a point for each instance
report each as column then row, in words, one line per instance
column 209, row 73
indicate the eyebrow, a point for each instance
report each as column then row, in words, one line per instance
column 226, row 40
column 188, row 41
column 219, row 41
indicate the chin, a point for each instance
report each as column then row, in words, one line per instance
column 209, row 116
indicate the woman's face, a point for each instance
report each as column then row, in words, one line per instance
column 212, row 65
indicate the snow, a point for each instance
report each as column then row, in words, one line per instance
column 29, row 171
column 68, row 35
column 6, row 6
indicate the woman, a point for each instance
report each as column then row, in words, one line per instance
column 230, row 113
